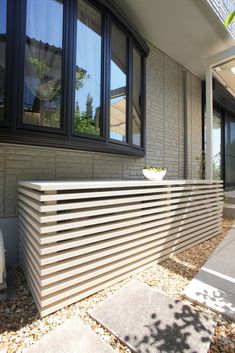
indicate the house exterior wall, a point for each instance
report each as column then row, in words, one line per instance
column 164, row 144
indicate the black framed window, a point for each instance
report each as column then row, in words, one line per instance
column 3, row 27
column 76, row 79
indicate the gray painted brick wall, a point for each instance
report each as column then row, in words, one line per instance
column 165, row 116
column 164, row 141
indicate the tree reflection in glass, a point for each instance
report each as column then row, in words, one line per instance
column 216, row 146
column 43, row 63
column 88, row 70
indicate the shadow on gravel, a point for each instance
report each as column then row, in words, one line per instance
column 18, row 310
column 179, row 269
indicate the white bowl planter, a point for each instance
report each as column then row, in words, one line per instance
column 154, row 174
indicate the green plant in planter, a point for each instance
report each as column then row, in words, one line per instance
column 155, row 169
column 225, row 198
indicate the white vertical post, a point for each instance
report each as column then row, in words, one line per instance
column 187, row 157
column 209, row 123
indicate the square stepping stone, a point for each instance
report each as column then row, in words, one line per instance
column 149, row 321
column 214, row 285
column 210, row 296
column 71, row 337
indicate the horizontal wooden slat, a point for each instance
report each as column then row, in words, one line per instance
column 82, row 237
column 122, row 227
column 105, row 201
column 45, row 310
column 147, row 249
column 117, row 245
column 106, row 184
column 41, row 197
column 83, row 248
column 50, row 299
column 150, row 243
column 155, row 253
column 77, row 260
column 70, row 253
column 96, row 210
column 44, row 229
column 76, row 238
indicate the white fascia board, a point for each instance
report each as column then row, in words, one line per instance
column 221, row 57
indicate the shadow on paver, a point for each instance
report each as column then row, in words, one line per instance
column 149, row 321
column 214, row 284
column 217, row 300
column 172, row 338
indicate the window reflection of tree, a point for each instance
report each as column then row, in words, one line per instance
column 87, row 105
column 42, row 83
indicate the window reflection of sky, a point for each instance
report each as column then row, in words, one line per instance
column 118, row 80
column 88, row 58
column 118, row 77
column 91, row 43
column 44, row 28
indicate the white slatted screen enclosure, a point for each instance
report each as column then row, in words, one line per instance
column 77, row 238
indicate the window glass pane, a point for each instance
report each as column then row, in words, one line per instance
column 118, row 84
column 88, row 70
column 3, row 12
column 136, row 113
column 230, row 150
column 43, row 63
column 216, row 146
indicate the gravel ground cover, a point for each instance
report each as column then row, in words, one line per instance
column 20, row 325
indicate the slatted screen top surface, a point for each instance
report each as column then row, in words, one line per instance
column 79, row 237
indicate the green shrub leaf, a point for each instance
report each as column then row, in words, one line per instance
column 229, row 19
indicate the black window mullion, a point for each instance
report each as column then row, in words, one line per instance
column 21, row 27
column 103, row 78
column 107, row 65
column 68, row 68
column 16, row 59
column 143, row 102
column 129, row 90
column 8, row 68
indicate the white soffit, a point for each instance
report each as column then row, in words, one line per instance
column 186, row 30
